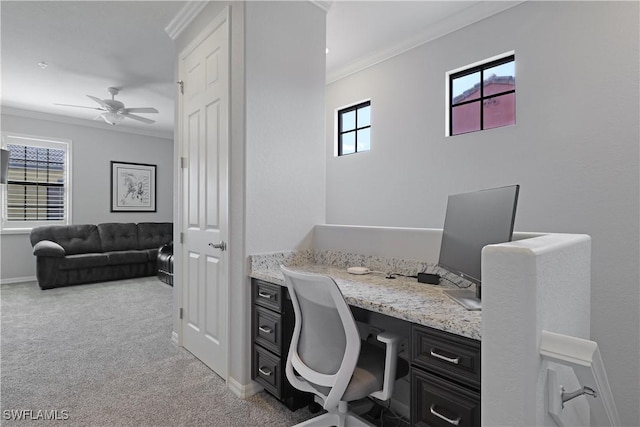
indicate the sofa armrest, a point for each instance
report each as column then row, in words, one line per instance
column 48, row 248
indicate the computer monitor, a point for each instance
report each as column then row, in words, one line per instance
column 474, row 220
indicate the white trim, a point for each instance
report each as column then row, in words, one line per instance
column 39, row 115
column 465, row 67
column 175, row 337
column 478, row 12
column 185, row 16
column 584, row 357
column 218, row 21
column 243, row 390
column 48, row 142
column 322, row 4
column 12, row 280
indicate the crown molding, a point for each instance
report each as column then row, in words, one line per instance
column 185, row 16
column 322, row 4
column 38, row 115
column 454, row 23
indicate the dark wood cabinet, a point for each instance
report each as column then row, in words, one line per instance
column 445, row 379
column 272, row 322
column 444, row 373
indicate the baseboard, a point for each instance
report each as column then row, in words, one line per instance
column 18, row 280
column 175, row 337
column 243, row 390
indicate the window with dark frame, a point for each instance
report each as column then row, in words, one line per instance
column 36, row 185
column 483, row 96
column 354, row 129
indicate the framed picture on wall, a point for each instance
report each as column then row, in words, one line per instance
column 133, row 187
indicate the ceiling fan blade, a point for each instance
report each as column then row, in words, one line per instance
column 79, row 106
column 141, row 110
column 101, row 102
column 138, row 118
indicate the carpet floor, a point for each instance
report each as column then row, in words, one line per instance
column 102, row 355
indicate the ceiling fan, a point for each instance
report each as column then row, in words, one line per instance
column 113, row 111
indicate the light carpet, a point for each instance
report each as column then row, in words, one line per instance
column 101, row 355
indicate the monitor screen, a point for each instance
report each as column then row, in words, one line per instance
column 474, row 220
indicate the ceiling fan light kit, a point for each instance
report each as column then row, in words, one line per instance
column 112, row 118
column 113, row 112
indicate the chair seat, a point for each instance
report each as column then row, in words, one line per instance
column 368, row 375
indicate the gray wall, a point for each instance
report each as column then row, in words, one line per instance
column 574, row 149
column 92, row 151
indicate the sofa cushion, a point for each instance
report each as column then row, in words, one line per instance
column 154, row 234
column 127, row 257
column 118, row 236
column 75, row 239
column 79, row 261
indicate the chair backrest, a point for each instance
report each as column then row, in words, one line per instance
column 325, row 344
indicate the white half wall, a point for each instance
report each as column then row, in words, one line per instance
column 420, row 244
column 529, row 286
column 92, row 151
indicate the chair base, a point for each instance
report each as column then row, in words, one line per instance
column 336, row 418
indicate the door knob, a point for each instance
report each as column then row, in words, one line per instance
column 222, row 246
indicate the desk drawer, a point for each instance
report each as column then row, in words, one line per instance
column 268, row 329
column 268, row 295
column 267, row 370
column 449, row 355
column 442, row 403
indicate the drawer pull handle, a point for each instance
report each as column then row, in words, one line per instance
column 264, row 371
column 265, row 329
column 442, row 417
column 264, row 295
column 445, row 358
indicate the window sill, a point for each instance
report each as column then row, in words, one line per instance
column 15, row 231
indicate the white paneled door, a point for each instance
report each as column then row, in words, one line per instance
column 204, row 141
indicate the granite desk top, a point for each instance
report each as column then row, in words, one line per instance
column 402, row 298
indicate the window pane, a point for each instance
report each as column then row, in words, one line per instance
column 364, row 139
column 348, row 121
column 349, row 143
column 499, row 111
column 37, row 190
column 466, row 118
column 500, row 78
column 466, row 88
column 364, row 117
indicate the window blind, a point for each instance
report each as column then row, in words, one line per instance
column 36, row 192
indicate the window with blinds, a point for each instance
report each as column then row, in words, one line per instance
column 37, row 182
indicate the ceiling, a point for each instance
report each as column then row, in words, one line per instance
column 91, row 45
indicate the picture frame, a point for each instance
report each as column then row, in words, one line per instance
column 133, row 187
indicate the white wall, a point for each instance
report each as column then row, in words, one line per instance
column 277, row 141
column 574, row 149
column 285, row 74
column 92, row 151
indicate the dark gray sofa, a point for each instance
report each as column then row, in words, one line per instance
column 77, row 254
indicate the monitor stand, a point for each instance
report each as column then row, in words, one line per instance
column 465, row 297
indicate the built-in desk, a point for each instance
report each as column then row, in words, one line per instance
column 403, row 298
column 444, row 339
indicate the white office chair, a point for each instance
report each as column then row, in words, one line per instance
column 328, row 358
